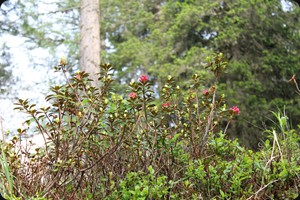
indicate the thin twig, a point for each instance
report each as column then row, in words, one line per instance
column 295, row 82
column 209, row 122
column 227, row 126
column 262, row 188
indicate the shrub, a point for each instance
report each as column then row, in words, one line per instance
column 103, row 145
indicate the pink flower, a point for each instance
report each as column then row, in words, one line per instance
column 78, row 76
column 235, row 110
column 167, row 104
column 205, row 92
column 132, row 95
column 143, row 79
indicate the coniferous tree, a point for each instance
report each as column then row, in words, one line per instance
column 173, row 37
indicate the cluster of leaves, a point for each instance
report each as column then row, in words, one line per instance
column 102, row 145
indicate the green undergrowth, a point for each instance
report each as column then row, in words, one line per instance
column 173, row 144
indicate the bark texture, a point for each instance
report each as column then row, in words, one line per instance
column 89, row 47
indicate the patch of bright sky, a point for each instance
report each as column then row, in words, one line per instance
column 31, row 70
column 286, row 5
column 32, row 82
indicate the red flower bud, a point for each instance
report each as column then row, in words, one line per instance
column 167, row 104
column 205, row 92
column 143, row 79
column 132, row 95
column 235, row 110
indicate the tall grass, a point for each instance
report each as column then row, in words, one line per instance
column 6, row 183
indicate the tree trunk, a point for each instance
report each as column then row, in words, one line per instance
column 89, row 47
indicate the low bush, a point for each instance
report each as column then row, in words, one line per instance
column 99, row 144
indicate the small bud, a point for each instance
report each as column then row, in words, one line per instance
column 221, row 55
column 56, row 120
column 132, row 83
column 78, row 76
column 195, row 76
column 205, row 92
column 155, row 109
column 63, row 61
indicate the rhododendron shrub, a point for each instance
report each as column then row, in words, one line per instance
column 138, row 144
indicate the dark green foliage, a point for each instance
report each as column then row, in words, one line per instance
column 260, row 39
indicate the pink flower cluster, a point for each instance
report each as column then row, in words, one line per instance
column 132, row 95
column 167, row 104
column 143, row 79
column 205, row 92
column 235, row 110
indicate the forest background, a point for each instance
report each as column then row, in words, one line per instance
column 159, row 126
column 260, row 40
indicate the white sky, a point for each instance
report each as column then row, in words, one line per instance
column 32, row 83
